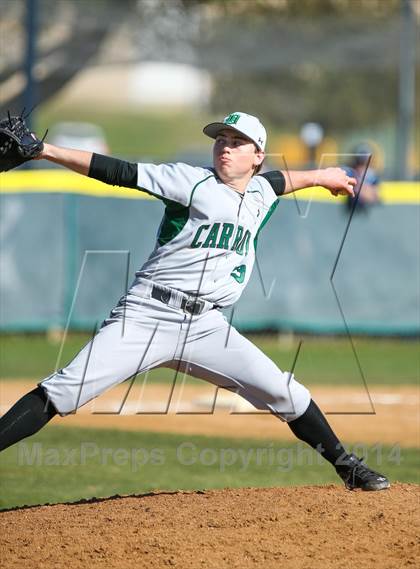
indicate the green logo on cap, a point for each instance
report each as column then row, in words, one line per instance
column 232, row 119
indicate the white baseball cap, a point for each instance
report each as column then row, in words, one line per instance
column 247, row 125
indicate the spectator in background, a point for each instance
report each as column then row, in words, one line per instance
column 366, row 192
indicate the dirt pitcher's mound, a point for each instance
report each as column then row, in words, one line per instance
column 307, row 527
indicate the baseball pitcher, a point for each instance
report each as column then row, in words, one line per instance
column 202, row 261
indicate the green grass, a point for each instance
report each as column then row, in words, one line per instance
column 321, row 361
column 51, row 467
column 153, row 135
column 380, row 361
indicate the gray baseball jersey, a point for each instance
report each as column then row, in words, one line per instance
column 207, row 239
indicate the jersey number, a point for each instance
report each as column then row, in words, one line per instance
column 238, row 273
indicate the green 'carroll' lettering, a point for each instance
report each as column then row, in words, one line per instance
column 238, row 237
column 212, row 236
column 225, row 236
column 219, row 235
column 243, row 244
column 195, row 242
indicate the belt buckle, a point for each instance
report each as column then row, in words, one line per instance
column 193, row 306
column 163, row 295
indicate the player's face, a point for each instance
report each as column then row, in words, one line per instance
column 235, row 156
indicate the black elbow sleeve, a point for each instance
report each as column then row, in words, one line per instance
column 113, row 171
column 277, row 181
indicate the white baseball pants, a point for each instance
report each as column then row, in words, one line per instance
column 143, row 333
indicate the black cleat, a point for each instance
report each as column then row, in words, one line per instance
column 356, row 474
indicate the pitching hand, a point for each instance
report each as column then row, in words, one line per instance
column 336, row 181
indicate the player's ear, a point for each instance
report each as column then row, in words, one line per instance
column 258, row 160
column 259, row 157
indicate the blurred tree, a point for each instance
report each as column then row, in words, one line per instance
column 68, row 37
column 336, row 100
column 332, row 61
column 299, row 8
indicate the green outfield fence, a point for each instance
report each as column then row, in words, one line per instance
column 54, row 222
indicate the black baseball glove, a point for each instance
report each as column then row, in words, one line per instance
column 17, row 143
